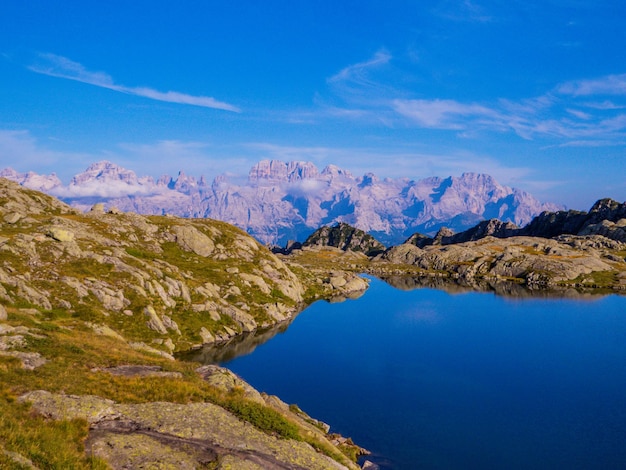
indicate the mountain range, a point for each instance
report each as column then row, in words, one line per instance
column 282, row 201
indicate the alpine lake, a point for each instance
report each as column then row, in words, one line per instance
column 452, row 378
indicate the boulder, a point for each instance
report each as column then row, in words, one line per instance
column 61, row 235
column 154, row 322
column 191, row 239
column 13, row 217
column 226, row 380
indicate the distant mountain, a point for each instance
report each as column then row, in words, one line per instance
column 283, row 201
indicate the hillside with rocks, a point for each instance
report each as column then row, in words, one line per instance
column 93, row 309
column 282, row 201
column 566, row 249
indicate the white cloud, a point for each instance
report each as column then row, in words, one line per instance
column 579, row 114
column 369, row 92
column 304, row 187
column 107, row 189
column 62, row 67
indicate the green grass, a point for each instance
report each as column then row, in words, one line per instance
column 262, row 417
column 597, row 279
column 75, row 354
column 46, row 443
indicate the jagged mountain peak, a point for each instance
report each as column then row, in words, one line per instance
column 334, row 171
column 105, row 171
column 284, row 201
column 277, row 170
column 32, row 180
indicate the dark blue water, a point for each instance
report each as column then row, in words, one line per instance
column 430, row 380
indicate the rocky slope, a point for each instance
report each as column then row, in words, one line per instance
column 92, row 309
column 282, row 201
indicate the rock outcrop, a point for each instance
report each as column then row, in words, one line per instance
column 346, row 238
column 172, row 435
column 537, row 262
column 606, row 217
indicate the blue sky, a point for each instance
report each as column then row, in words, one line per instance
column 533, row 93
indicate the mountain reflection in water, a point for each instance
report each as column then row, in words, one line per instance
column 500, row 288
column 246, row 343
column 241, row 345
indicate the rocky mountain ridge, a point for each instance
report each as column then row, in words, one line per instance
column 282, row 201
column 606, row 217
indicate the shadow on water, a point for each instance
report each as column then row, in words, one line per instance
column 240, row 345
column 244, row 344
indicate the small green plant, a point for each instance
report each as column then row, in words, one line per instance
column 261, row 416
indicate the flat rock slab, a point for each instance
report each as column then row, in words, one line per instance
column 172, row 435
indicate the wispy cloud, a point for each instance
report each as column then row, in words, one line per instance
column 21, row 151
column 572, row 111
column 358, row 72
column 442, row 114
column 463, row 11
column 608, row 85
column 62, row 67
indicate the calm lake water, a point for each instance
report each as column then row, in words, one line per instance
column 427, row 379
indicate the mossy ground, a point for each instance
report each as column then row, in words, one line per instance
column 76, row 357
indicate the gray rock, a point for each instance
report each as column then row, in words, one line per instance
column 97, row 209
column 154, row 322
column 13, row 217
column 61, row 235
column 191, row 239
column 30, row 360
